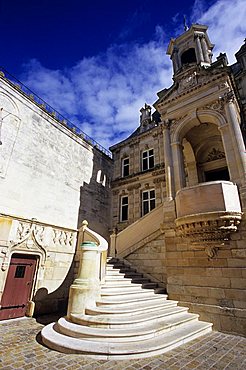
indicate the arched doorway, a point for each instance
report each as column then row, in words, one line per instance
column 18, row 286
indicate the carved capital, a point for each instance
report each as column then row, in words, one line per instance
column 228, row 97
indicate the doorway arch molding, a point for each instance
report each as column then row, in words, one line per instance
column 195, row 118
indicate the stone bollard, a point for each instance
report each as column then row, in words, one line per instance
column 85, row 289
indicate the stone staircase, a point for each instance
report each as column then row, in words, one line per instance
column 132, row 319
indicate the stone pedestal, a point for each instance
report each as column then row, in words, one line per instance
column 86, row 287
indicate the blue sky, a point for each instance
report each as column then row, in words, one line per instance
column 97, row 62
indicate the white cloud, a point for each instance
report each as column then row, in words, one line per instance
column 227, row 25
column 103, row 94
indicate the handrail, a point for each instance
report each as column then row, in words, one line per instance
column 130, row 238
column 15, row 83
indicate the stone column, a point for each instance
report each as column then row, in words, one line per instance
column 85, row 289
column 198, row 49
column 229, row 152
column 178, row 166
column 204, row 50
column 113, row 237
column 175, row 60
column 168, row 160
column 236, row 134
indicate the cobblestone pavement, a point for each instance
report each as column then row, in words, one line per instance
column 20, row 348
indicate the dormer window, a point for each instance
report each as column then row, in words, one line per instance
column 148, row 159
column 125, row 167
column 188, row 56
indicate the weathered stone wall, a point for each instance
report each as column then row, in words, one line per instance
column 215, row 286
column 48, row 178
column 138, row 180
column 44, row 166
column 151, row 259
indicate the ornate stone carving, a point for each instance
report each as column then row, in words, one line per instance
column 213, row 228
column 228, row 97
column 159, row 180
column 36, row 237
column 188, row 81
column 134, row 186
column 215, row 105
column 215, row 154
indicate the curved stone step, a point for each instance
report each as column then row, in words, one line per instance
column 120, row 321
column 133, row 305
column 143, row 332
column 119, row 277
column 132, row 289
column 120, row 283
column 115, row 300
column 114, row 350
column 137, row 309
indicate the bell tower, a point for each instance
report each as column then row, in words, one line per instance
column 193, row 47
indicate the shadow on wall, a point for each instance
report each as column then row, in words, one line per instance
column 95, row 207
column 95, row 198
column 56, row 301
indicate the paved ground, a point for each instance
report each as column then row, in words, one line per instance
column 20, row 348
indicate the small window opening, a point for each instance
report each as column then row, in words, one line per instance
column 20, row 272
column 125, row 167
column 124, row 209
column 188, row 56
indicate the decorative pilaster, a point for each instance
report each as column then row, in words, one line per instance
column 168, row 159
column 178, row 165
column 175, row 60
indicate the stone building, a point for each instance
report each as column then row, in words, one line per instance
column 178, row 188
column 179, row 184
column 51, row 179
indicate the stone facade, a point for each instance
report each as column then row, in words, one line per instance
column 201, row 249
column 146, row 139
column 178, row 188
column 51, row 179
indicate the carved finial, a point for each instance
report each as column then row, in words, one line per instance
column 185, row 24
column 84, row 225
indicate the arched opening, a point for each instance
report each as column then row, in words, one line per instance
column 204, row 155
column 188, row 56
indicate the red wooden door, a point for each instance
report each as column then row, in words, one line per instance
column 18, row 286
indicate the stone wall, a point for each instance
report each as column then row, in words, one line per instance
column 211, row 285
column 151, row 259
column 138, row 180
column 51, row 179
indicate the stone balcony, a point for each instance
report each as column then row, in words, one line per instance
column 208, row 212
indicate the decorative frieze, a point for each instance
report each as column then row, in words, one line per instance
column 32, row 236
